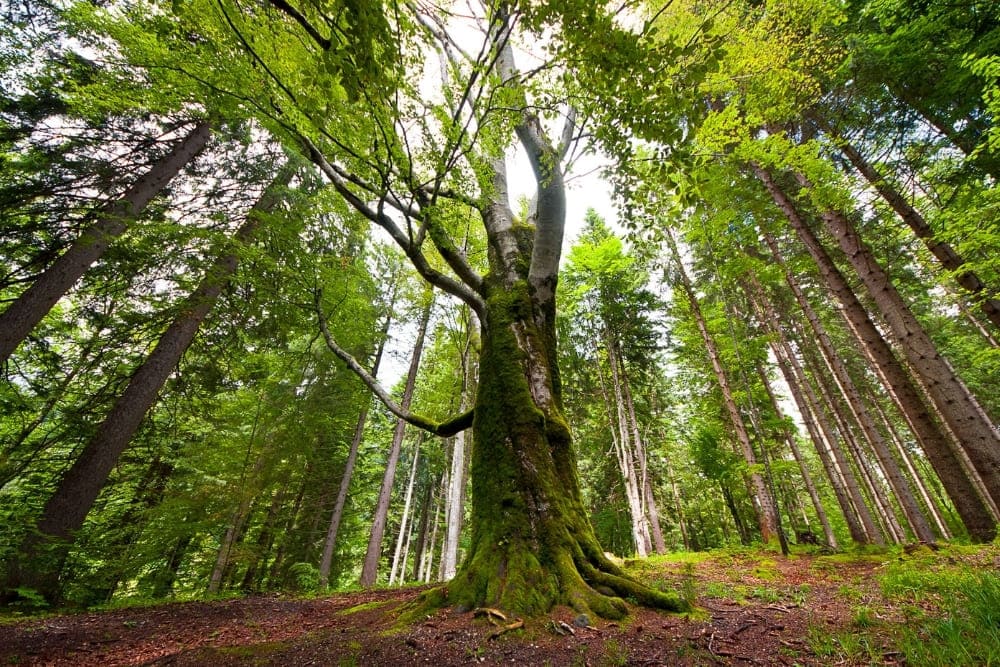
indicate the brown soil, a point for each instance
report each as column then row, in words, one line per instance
column 753, row 611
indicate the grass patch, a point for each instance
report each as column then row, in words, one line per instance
column 365, row 606
column 966, row 630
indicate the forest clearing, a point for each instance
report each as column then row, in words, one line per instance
column 751, row 608
column 450, row 331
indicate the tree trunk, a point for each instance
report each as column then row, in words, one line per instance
column 457, row 479
column 422, row 534
column 164, row 578
column 330, row 543
column 369, row 570
column 67, row 509
column 936, row 445
column 828, row 535
column 651, row 511
column 34, row 303
column 626, row 452
column 531, row 544
column 763, row 501
column 918, row 482
column 859, row 410
column 954, row 401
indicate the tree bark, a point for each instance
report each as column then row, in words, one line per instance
column 763, row 500
column 66, row 510
column 369, row 570
column 34, row 303
column 936, row 445
column 942, row 250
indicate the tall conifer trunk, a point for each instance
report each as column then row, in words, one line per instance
column 975, row 515
column 954, row 401
column 66, row 510
column 33, row 304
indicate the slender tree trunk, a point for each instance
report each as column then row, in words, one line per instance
column 824, row 406
column 762, row 498
column 837, row 411
column 626, row 453
column 262, row 544
column 457, row 479
column 937, row 446
column 165, row 578
column 330, row 543
column 369, row 570
column 34, row 303
column 422, row 534
column 651, row 511
column 67, row 509
column 918, row 482
column 828, row 535
column 679, row 508
column 404, row 522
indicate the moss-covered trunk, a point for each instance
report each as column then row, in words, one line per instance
column 532, row 544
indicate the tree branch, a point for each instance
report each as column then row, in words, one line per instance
column 550, row 218
column 444, row 429
column 466, row 292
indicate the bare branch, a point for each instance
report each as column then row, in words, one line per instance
column 464, row 291
column 443, row 429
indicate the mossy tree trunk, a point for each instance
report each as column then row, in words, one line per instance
column 532, row 545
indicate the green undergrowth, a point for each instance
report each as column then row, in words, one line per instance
column 365, row 606
column 923, row 607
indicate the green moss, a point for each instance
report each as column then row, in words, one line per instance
column 375, row 604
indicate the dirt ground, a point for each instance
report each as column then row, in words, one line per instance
column 753, row 610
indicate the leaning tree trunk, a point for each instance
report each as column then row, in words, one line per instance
column 35, row 302
column 67, row 509
column 976, row 517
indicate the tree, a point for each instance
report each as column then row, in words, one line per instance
column 528, row 519
column 66, row 510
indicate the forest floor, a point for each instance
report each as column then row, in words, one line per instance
column 753, row 608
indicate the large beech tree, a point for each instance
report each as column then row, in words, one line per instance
column 350, row 89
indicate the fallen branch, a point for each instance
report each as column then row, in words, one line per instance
column 519, row 623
